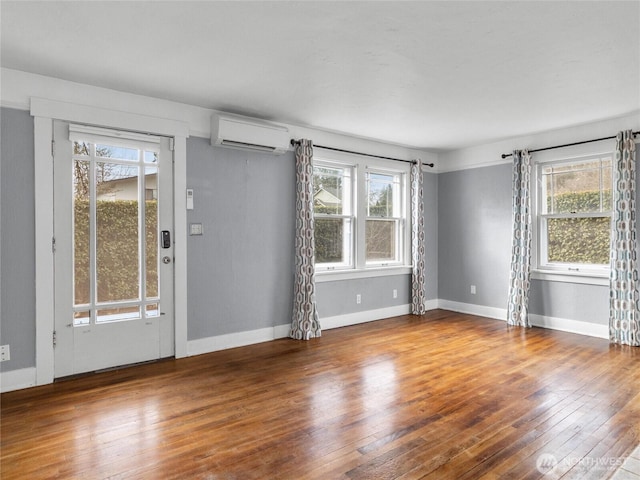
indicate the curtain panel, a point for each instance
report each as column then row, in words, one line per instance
column 624, row 325
column 418, row 281
column 520, row 275
column 305, row 324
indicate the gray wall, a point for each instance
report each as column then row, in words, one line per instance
column 475, row 247
column 431, row 215
column 339, row 297
column 17, row 250
column 474, row 235
column 241, row 270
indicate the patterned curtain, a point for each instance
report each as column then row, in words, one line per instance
column 418, row 283
column 305, row 324
column 519, row 278
column 624, row 322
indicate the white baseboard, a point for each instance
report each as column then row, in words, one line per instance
column 571, row 326
column 327, row 323
column 17, row 379
column 552, row 323
column 432, row 304
column 238, row 339
column 471, row 309
column 241, row 339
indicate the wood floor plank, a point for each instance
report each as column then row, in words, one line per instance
column 439, row 396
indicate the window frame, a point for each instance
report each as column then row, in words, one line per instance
column 399, row 220
column 542, row 269
column 347, row 249
column 359, row 268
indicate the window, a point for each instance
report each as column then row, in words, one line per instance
column 574, row 215
column 359, row 215
column 384, row 218
column 333, row 215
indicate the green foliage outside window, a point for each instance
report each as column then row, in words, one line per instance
column 579, row 240
column 117, row 250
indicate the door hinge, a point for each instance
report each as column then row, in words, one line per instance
column 53, row 244
column 172, row 143
column 54, row 338
column 53, row 147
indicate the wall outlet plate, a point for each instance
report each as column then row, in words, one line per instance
column 5, row 353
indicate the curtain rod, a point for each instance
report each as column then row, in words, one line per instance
column 297, row 142
column 505, row 155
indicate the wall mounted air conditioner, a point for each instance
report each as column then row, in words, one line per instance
column 249, row 134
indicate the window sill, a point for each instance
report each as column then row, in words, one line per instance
column 336, row 275
column 571, row 277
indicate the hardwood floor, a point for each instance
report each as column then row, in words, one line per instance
column 440, row 396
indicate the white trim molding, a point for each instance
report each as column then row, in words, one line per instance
column 472, row 309
column 237, row 339
column 241, row 339
column 17, row 379
column 553, row 323
column 571, row 326
column 584, row 278
column 327, row 323
column 44, row 270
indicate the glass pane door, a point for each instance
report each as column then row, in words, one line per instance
column 115, row 233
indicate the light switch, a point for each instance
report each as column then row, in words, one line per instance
column 195, row 229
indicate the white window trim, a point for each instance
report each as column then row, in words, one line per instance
column 360, row 268
column 583, row 274
column 401, row 219
column 44, row 112
column 338, row 267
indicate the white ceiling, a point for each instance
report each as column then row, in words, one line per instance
column 426, row 74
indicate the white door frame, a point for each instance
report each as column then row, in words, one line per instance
column 44, row 112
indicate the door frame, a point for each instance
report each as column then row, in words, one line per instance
column 45, row 112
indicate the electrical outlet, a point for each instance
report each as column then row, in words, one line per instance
column 5, row 353
column 358, row 299
column 473, row 289
column 395, row 293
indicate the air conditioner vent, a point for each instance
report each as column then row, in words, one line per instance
column 249, row 134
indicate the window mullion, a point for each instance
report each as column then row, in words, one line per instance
column 362, row 206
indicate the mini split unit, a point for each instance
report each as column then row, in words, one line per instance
column 249, row 134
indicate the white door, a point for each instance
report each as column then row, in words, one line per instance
column 113, row 203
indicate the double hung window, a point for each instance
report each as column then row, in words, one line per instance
column 384, row 218
column 360, row 215
column 333, row 215
column 574, row 215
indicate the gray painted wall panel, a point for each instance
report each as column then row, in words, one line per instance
column 474, row 235
column 241, row 270
column 17, row 255
column 587, row 303
column 339, row 297
column 430, row 194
